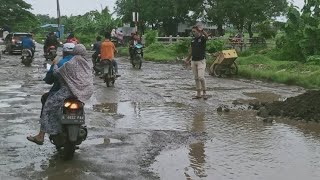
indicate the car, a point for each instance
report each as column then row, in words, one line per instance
column 13, row 42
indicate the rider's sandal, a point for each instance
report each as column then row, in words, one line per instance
column 35, row 140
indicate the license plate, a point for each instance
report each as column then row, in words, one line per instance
column 106, row 70
column 73, row 119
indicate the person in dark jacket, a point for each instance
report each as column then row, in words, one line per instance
column 51, row 40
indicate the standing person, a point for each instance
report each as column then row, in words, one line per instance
column 198, row 61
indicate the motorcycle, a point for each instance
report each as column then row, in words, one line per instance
column 26, row 57
column 74, row 131
column 51, row 53
column 136, row 61
column 108, row 72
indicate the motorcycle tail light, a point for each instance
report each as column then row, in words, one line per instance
column 74, row 106
column 67, row 104
column 71, row 105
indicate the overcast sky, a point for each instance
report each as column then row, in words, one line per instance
column 69, row 7
column 76, row 7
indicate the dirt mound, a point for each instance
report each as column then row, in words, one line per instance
column 305, row 106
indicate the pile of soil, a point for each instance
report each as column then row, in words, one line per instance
column 305, row 106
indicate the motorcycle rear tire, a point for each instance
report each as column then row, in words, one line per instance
column 68, row 150
column 109, row 82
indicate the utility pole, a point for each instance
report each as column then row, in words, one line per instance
column 136, row 15
column 59, row 18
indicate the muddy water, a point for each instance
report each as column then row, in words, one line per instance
column 148, row 127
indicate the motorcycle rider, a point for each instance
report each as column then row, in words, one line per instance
column 107, row 51
column 27, row 43
column 51, row 40
column 135, row 39
column 67, row 54
column 96, row 47
column 72, row 39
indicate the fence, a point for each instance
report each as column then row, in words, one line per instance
column 241, row 44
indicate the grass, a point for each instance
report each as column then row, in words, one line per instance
column 287, row 72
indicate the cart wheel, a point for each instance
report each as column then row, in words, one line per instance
column 234, row 69
column 211, row 70
column 217, row 70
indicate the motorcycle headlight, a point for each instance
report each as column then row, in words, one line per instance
column 139, row 51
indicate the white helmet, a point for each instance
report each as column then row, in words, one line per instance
column 68, row 47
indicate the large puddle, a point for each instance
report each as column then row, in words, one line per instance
column 238, row 145
column 242, row 148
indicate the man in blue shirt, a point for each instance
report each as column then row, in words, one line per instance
column 27, row 43
column 50, row 78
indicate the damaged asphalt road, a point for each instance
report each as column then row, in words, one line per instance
column 148, row 127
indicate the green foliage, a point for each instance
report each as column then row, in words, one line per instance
column 160, row 52
column 266, row 30
column 302, row 32
column 161, row 15
column 15, row 13
column 313, row 60
column 214, row 46
column 182, row 46
column 151, row 37
column 288, row 72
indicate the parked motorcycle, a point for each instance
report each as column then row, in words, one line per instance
column 26, row 57
column 51, row 53
column 136, row 61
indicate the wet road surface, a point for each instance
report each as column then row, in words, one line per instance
column 148, row 127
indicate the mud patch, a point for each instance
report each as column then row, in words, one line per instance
column 305, row 106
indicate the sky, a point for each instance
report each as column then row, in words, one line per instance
column 79, row 7
column 69, row 7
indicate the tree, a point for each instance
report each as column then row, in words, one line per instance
column 164, row 15
column 15, row 13
column 302, row 32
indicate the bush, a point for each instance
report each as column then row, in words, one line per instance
column 182, row 46
column 154, row 47
column 215, row 46
column 151, row 37
column 266, row 30
column 314, row 60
